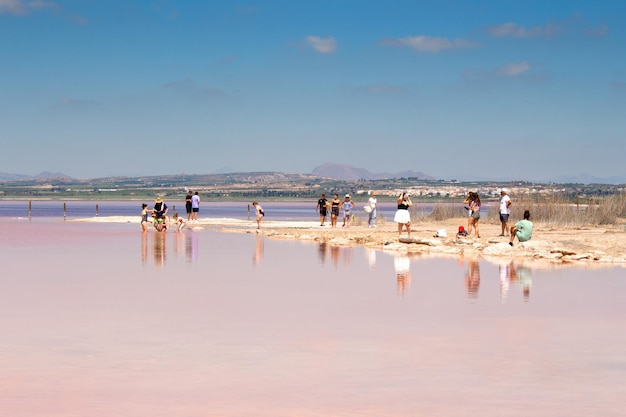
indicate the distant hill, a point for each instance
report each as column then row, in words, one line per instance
column 348, row 172
column 41, row 176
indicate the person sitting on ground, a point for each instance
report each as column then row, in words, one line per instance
column 523, row 229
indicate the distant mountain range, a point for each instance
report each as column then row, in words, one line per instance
column 348, row 172
column 41, row 176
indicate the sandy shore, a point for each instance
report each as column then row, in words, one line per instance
column 580, row 245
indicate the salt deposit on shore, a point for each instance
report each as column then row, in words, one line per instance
column 589, row 245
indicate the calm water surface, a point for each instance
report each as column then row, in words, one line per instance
column 102, row 320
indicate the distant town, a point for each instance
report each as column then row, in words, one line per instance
column 281, row 186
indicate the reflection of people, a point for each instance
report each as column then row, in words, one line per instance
column 188, row 204
column 505, row 204
column 472, row 279
column 321, row 251
column 158, row 249
column 523, row 229
column 160, row 213
column 191, row 247
column 259, row 214
column 371, row 257
column 402, row 217
column 525, row 279
column 321, row 207
column 258, row 253
column 334, row 210
column 195, row 206
column 402, row 265
column 179, row 222
column 144, row 217
column 371, row 220
column 347, row 206
column 144, row 248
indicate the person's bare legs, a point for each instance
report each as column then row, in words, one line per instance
column 408, row 229
column 399, row 229
column 513, row 230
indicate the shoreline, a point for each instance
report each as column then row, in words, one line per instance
column 584, row 246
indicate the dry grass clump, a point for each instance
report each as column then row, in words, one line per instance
column 443, row 211
column 559, row 211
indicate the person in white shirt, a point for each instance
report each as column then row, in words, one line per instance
column 371, row 220
column 505, row 204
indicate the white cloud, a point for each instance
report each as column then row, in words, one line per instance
column 513, row 70
column 21, row 7
column 430, row 44
column 513, row 30
column 322, row 45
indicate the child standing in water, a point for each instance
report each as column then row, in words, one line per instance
column 259, row 214
column 144, row 217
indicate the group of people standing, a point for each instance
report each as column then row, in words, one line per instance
column 346, row 206
column 522, row 229
column 160, row 210
column 402, row 216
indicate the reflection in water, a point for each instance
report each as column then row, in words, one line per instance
column 402, row 265
column 511, row 274
column 191, row 247
column 472, row 279
column 158, row 248
column 371, row 257
column 525, row 280
column 258, row 253
column 322, row 250
column 144, row 247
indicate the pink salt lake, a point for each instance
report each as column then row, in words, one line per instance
column 100, row 320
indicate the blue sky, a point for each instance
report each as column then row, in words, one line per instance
column 497, row 89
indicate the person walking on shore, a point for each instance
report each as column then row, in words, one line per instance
column 259, row 214
column 195, row 206
column 188, row 204
column 347, row 206
column 403, row 217
column 321, row 207
column 334, row 210
column 371, row 220
column 505, row 211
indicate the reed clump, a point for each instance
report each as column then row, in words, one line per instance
column 560, row 211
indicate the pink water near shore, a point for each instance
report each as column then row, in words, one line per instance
column 100, row 320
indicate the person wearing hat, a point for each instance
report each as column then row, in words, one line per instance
column 160, row 213
column 505, row 211
column 347, row 206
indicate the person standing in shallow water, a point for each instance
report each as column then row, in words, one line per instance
column 195, row 206
column 188, row 204
column 403, row 217
column 144, row 217
column 259, row 214
column 334, row 210
column 160, row 210
column 321, row 207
